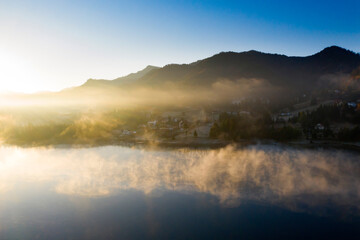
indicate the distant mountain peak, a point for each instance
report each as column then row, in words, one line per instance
column 121, row 80
column 334, row 48
column 335, row 51
column 150, row 67
column 137, row 75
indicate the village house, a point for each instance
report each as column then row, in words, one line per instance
column 282, row 117
column 352, row 104
column 319, row 127
column 152, row 124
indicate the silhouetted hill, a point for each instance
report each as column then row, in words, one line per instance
column 291, row 75
column 279, row 70
column 121, row 80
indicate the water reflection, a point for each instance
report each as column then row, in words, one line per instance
column 288, row 177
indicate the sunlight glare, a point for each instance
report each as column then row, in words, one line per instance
column 17, row 74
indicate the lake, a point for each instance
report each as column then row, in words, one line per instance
column 113, row 192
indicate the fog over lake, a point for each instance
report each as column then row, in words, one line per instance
column 111, row 192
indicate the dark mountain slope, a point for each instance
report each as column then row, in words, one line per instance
column 279, row 75
column 278, row 70
column 121, row 80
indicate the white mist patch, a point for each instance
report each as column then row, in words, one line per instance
column 262, row 173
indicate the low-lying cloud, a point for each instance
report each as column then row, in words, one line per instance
column 169, row 94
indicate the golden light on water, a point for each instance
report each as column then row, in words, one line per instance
column 264, row 174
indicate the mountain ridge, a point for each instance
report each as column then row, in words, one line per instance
column 125, row 79
column 298, row 74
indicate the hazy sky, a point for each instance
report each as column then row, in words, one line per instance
column 50, row 45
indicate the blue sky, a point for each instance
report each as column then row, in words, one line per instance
column 50, row 45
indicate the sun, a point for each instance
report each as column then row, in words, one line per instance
column 17, row 74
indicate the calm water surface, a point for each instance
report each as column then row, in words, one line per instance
column 259, row 192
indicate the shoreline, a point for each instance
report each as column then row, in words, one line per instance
column 202, row 143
